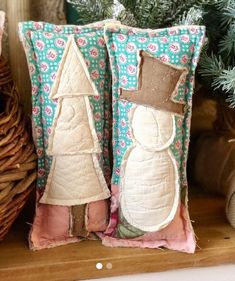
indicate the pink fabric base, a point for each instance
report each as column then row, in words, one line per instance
column 178, row 235
column 50, row 227
column 51, row 224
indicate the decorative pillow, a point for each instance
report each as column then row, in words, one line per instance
column 70, row 98
column 2, row 21
column 153, row 79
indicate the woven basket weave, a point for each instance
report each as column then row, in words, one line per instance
column 17, row 153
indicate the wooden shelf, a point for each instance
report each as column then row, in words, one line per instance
column 78, row 261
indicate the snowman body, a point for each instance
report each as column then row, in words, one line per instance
column 149, row 176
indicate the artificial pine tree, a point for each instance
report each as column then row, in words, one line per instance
column 214, row 162
column 217, row 64
column 88, row 11
column 139, row 13
column 158, row 13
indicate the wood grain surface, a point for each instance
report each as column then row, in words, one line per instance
column 216, row 240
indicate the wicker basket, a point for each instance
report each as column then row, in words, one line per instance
column 17, row 153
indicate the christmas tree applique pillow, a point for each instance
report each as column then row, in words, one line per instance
column 153, row 80
column 70, row 78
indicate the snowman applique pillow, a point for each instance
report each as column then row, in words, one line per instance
column 70, row 78
column 153, row 80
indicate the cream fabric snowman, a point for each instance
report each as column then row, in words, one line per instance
column 149, row 184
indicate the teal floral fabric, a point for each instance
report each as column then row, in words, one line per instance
column 179, row 46
column 44, row 45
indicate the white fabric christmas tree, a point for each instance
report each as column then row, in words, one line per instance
column 75, row 177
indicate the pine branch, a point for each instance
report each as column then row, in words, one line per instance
column 226, row 83
column 227, row 8
column 141, row 13
column 223, row 4
column 231, row 99
column 181, row 10
column 129, row 5
column 210, row 66
column 127, row 18
column 93, row 10
column 216, row 66
column 193, row 16
column 227, row 46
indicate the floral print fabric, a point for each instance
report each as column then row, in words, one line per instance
column 44, row 44
column 179, row 46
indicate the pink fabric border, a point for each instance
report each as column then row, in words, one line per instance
column 178, row 235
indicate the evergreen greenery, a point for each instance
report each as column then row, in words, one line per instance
column 159, row 13
column 92, row 10
column 140, row 13
column 217, row 63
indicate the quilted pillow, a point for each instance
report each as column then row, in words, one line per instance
column 70, row 106
column 153, row 79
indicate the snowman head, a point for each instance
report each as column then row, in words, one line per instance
column 152, row 129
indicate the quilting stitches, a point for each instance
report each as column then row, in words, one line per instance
column 159, row 178
column 149, row 176
column 152, row 129
column 44, row 45
column 73, row 69
column 70, row 79
column 74, row 117
column 149, row 189
column 190, row 40
column 176, row 51
column 74, row 179
column 73, row 120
